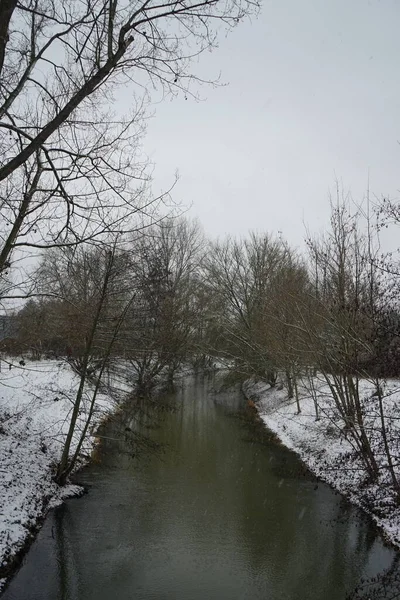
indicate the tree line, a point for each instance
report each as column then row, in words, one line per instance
column 120, row 282
column 166, row 297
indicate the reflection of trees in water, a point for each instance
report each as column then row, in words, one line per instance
column 308, row 521
column 129, row 434
column 236, row 504
column 212, row 506
column 385, row 586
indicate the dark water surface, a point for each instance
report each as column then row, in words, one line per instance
column 221, row 514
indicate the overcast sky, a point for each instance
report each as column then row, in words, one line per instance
column 313, row 93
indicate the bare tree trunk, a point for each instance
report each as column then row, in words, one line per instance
column 271, row 377
column 289, row 384
column 314, row 394
column 296, row 391
column 395, row 481
column 19, row 219
column 7, row 8
column 104, row 363
column 62, row 470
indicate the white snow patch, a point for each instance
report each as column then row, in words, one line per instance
column 35, row 406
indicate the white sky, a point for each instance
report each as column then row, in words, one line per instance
column 313, row 94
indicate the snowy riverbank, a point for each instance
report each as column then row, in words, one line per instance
column 324, row 448
column 35, row 405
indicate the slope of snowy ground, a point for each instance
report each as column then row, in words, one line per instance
column 324, row 447
column 35, row 406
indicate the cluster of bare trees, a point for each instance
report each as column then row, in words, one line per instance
column 71, row 170
column 330, row 318
column 124, row 308
column 75, row 82
column 165, row 296
column 258, row 284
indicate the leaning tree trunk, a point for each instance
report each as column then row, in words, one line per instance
column 62, row 470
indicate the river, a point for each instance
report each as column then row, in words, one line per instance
column 224, row 512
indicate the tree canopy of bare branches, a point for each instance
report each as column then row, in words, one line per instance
column 70, row 167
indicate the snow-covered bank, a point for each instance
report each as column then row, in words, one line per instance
column 323, row 446
column 35, row 405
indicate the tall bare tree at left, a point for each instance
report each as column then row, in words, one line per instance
column 70, row 168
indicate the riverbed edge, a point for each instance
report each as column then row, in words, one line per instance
column 265, row 401
column 48, row 494
column 50, row 501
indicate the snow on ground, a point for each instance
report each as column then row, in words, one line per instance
column 326, row 449
column 35, row 406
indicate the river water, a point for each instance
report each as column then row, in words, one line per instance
column 223, row 513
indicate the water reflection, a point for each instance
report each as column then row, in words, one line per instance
column 224, row 513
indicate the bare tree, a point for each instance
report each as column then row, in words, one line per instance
column 93, row 296
column 165, row 261
column 243, row 273
column 288, row 291
column 70, row 167
column 341, row 327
